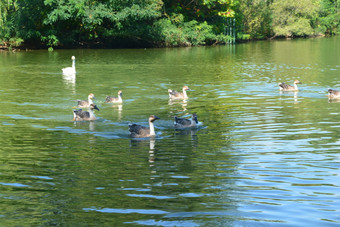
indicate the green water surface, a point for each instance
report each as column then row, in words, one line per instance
column 259, row 157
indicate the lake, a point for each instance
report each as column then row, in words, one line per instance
column 260, row 157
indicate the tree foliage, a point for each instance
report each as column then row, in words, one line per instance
column 256, row 18
column 142, row 23
column 98, row 21
column 293, row 18
column 329, row 17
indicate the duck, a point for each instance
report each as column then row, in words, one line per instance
column 173, row 94
column 287, row 87
column 86, row 103
column 333, row 94
column 181, row 123
column 80, row 115
column 70, row 70
column 139, row 131
column 111, row 99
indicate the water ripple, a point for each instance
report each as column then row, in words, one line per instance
column 126, row 211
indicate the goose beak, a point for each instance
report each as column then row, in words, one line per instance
column 96, row 108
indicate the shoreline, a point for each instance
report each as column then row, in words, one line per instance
column 27, row 47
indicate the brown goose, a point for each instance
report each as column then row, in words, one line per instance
column 86, row 103
column 287, row 87
column 333, row 94
column 181, row 123
column 80, row 115
column 173, row 94
column 111, row 99
column 139, row 131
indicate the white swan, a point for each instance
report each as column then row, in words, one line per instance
column 70, row 70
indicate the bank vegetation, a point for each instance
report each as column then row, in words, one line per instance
column 160, row 23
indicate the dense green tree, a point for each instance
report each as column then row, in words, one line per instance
column 255, row 18
column 101, row 20
column 213, row 12
column 329, row 17
column 141, row 23
column 197, row 22
column 8, row 34
column 294, row 18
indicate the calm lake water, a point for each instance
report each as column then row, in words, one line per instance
column 260, row 157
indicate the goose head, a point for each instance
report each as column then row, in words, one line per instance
column 120, row 93
column 186, row 88
column 73, row 58
column 91, row 96
column 93, row 107
column 194, row 117
column 297, row 82
column 153, row 118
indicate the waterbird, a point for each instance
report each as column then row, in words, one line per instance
column 173, row 94
column 111, row 99
column 80, row 115
column 333, row 94
column 70, row 70
column 86, row 103
column 287, row 87
column 139, row 131
column 181, row 123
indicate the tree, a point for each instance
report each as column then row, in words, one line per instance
column 95, row 21
column 294, row 18
column 255, row 18
column 329, row 17
column 8, row 36
column 145, row 23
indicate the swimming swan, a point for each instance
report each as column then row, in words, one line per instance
column 139, row 131
column 70, row 70
column 80, row 115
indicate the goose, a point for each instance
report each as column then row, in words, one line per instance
column 139, row 131
column 287, row 87
column 181, row 123
column 173, row 94
column 86, row 103
column 333, row 94
column 80, row 115
column 110, row 99
column 70, row 70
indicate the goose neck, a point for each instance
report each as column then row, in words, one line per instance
column 185, row 93
column 152, row 129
